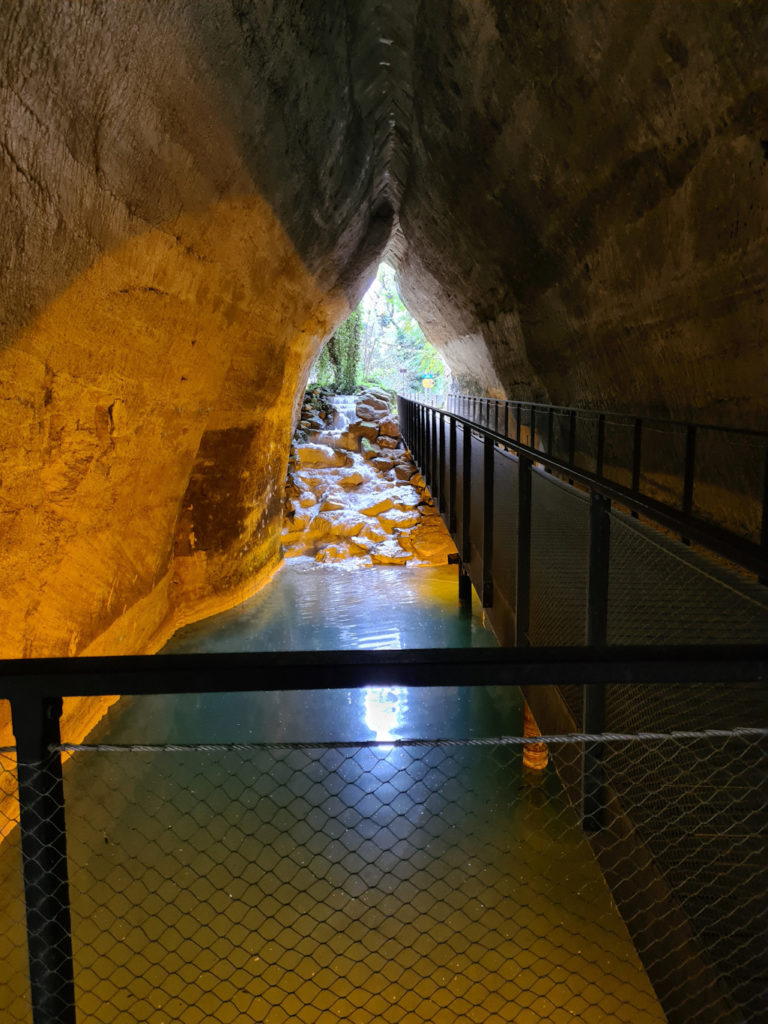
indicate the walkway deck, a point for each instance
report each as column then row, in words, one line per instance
column 696, row 814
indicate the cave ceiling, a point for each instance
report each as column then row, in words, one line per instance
column 195, row 192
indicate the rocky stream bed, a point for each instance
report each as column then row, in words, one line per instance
column 353, row 492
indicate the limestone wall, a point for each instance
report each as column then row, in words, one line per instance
column 165, row 286
column 588, row 196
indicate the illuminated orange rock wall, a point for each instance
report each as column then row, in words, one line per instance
column 158, row 320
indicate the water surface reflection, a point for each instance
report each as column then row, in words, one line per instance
column 327, row 873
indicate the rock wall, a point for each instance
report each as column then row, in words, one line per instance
column 195, row 192
column 165, row 287
column 587, row 201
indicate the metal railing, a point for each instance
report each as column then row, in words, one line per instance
column 244, row 881
column 255, row 898
column 481, row 478
column 699, row 472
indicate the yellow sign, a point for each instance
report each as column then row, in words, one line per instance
column 427, row 383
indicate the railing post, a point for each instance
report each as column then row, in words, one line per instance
column 466, row 506
column 593, row 777
column 441, row 458
column 550, row 434
column 465, row 586
column 452, row 477
column 572, row 438
column 506, row 418
column 599, row 550
column 489, row 449
column 523, row 582
column 532, row 438
column 427, row 447
column 519, row 421
column 44, row 856
column 600, row 446
column 416, row 435
column 496, row 419
column 465, row 549
column 688, row 472
column 637, row 455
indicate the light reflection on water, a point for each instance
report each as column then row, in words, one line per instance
column 388, row 883
column 309, row 606
column 386, row 708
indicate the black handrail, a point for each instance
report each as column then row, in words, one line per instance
column 455, row 396
column 722, row 541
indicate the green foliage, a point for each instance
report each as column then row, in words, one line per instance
column 395, row 350
column 380, row 344
column 344, row 353
column 338, row 364
column 322, row 371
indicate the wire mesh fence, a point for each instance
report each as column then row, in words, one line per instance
column 413, row 881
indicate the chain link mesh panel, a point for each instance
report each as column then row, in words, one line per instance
column 14, row 998
column 660, row 593
column 435, row 881
column 559, row 553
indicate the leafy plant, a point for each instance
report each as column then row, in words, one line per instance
column 380, row 343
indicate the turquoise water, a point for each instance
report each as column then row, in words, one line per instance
column 290, row 881
column 310, row 606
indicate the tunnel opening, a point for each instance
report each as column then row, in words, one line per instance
column 353, row 493
column 381, row 344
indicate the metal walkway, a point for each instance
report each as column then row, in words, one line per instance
column 582, row 571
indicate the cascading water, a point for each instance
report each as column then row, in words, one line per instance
column 354, row 495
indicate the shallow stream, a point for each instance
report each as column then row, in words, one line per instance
column 325, row 873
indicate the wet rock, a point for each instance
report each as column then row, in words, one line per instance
column 399, row 519
column 389, row 427
column 308, row 481
column 343, row 523
column 347, row 441
column 321, row 455
column 332, row 505
column 339, row 552
column 431, row 542
column 292, row 490
column 405, row 496
column 369, row 414
column 364, row 428
column 377, row 507
column 366, row 508
column 389, row 552
column 372, row 531
column 300, row 521
column 368, row 450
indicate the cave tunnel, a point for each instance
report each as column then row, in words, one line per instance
column 195, row 194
